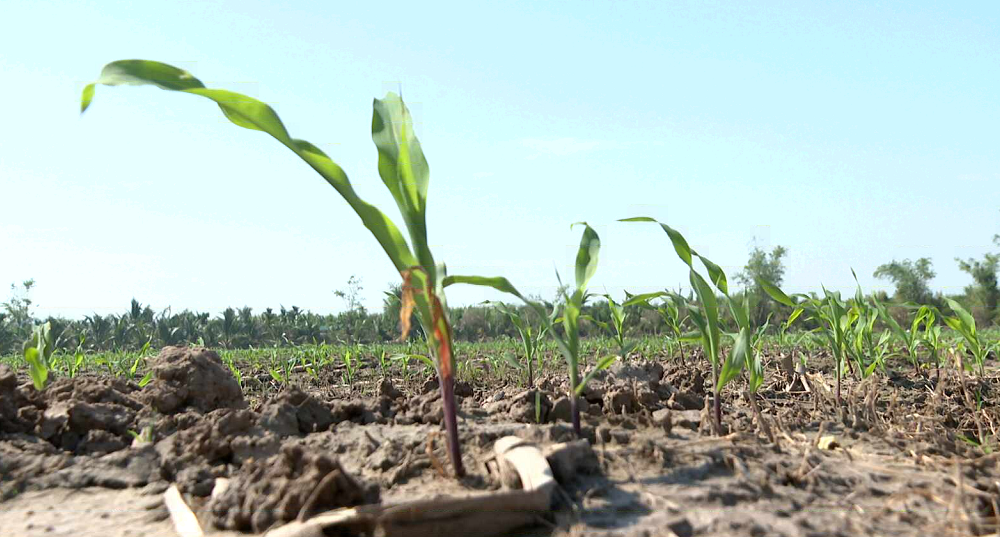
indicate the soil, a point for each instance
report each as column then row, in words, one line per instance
column 93, row 455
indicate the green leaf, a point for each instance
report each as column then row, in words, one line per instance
column 710, row 312
column 148, row 377
column 403, row 168
column 680, row 243
column 716, row 275
column 736, row 360
column 795, row 315
column 88, row 95
column 252, row 114
column 632, row 300
column 498, row 282
column 777, row 294
column 36, row 370
column 741, row 311
column 586, row 256
column 968, row 321
column 602, row 364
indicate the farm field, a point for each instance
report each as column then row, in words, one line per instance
column 899, row 458
column 647, row 393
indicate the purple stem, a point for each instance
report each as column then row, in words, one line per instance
column 451, row 423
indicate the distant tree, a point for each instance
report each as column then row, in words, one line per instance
column 762, row 266
column 910, row 278
column 352, row 295
column 984, row 293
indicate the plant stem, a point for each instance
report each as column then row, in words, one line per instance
column 574, row 407
column 531, row 376
column 451, row 423
column 839, row 366
column 715, row 400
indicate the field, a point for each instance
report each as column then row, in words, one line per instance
column 902, row 456
column 716, row 409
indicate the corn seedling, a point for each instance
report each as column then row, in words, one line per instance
column 531, row 338
column 37, row 353
column 866, row 349
column 350, row 366
column 835, row 324
column 965, row 325
column 78, row 358
column 669, row 311
column 570, row 309
column 618, row 318
column 932, row 340
column 910, row 339
column 404, row 171
column 709, row 323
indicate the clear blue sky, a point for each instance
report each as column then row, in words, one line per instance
column 851, row 133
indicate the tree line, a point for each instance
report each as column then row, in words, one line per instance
column 244, row 328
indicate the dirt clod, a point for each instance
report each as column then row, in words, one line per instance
column 279, row 489
column 185, row 377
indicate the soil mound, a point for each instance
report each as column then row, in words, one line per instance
column 193, row 378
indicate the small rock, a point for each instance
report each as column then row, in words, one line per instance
column 681, row 527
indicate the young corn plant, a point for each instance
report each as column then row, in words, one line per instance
column 669, row 311
column 864, row 348
column 835, row 324
column 38, row 353
column 965, row 324
column 618, row 318
column 910, row 339
column 709, row 323
column 531, row 337
column 932, row 340
column 571, row 309
column 405, row 173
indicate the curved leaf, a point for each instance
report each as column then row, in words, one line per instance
column 680, row 243
column 716, row 275
column 774, row 292
column 632, row 300
column 252, row 114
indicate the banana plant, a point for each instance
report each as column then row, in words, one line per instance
column 405, row 173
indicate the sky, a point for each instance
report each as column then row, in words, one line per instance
column 851, row 133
